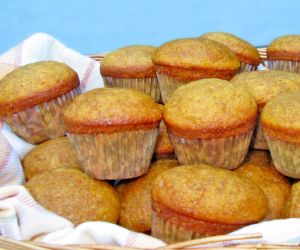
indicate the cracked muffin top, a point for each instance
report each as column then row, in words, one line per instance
column 245, row 51
column 129, row 62
column 107, row 110
column 210, row 108
column 33, row 84
column 284, row 48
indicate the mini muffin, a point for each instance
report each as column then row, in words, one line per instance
column 131, row 67
column 246, row 52
column 33, row 97
column 113, row 132
column 52, row 154
column 5, row 68
column 210, row 121
column 292, row 206
column 184, row 60
column 280, row 123
column 275, row 186
column 135, row 197
column 258, row 157
column 75, row 196
column 284, row 53
column 196, row 201
column 264, row 86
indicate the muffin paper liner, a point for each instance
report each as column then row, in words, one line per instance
column 258, row 138
column 148, row 86
column 291, row 66
column 167, row 85
column 119, row 155
column 170, row 232
column 286, row 156
column 226, row 153
column 246, row 67
column 43, row 121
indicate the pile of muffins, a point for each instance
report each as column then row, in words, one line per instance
column 164, row 148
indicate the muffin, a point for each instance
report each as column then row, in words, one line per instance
column 280, row 123
column 113, row 132
column 5, row 68
column 292, row 206
column 131, row 67
column 284, row 53
column 33, row 97
column 275, row 186
column 184, row 60
column 135, row 197
column 246, row 52
column 258, row 157
column 210, row 121
column 75, row 196
column 49, row 155
column 264, row 86
column 196, row 201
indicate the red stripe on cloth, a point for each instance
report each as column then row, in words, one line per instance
column 1, row 125
column 27, row 200
column 18, row 55
column 87, row 74
column 131, row 239
column 5, row 155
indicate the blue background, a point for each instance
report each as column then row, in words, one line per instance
column 91, row 26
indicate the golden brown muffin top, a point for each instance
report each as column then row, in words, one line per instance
column 33, row 84
column 285, row 48
column 245, row 51
column 274, row 185
column 259, row 157
column 75, row 196
column 50, row 155
column 292, row 206
column 210, row 194
column 129, row 62
column 108, row 110
column 209, row 108
column 5, row 68
column 135, row 197
column 266, row 84
column 195, row 53
column 280, row 118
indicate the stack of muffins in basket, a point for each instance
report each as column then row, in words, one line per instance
column 184, row 169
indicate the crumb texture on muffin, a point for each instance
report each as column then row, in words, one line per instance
column 284, row 48
column 73, row 195
column 280, row 118
column 245, row 51
column 33, row 84
column 108, row 110
column 266, row 84
column 210, row 108
column 129, row 62
column 50, row 155
column 135, row 197
column 292, row 206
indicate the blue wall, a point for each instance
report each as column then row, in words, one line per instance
column 91, row 26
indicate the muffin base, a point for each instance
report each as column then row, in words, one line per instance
column 148, row 86
column 43, row 121
column 258, row 139
column 291, row 66
column 119, row 155
column 245, row 67
column 170, row 232
column 168, row 85
column 226, row 153
column 286, row 156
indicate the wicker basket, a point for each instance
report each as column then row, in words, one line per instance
column 219, row 242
